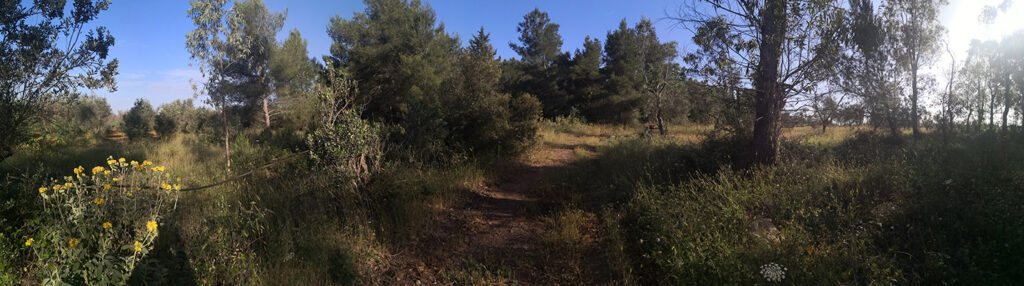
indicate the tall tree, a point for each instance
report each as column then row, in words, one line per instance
column 540, row 50
column 914, row 26
column 251, row 75
column 48, row 51
column 293, row 74
column 217, row 45
column 867, row 67
column 788, row 44
column 584, row 77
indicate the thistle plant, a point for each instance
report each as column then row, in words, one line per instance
column 98, row 224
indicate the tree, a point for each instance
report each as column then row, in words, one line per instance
column 395, row 53
column 294, row 74
column 584, row 77
column 540, row 50
column 868, row 68
column 915, row 29
column 788, row 44
column 231, row 47
column 48, row 52
column 251, row 76
column 139, row 120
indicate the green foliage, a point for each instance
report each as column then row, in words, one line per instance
column 50, row 51
column 542, row 63
column 98, row 224
column 139, row 120
column 85, row 118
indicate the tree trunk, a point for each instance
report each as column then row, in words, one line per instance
column 661, row 124
column 914, row 117
column 266, row 110
column 768, row 91
column 1006, row 107
column 227, row 140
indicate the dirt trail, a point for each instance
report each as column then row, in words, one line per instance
column 497, row 231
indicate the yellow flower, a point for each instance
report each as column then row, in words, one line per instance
column 146, row 163
column 107, row 225
column 56, row 187
column 67, row 185
column 116, row 179
column 79, row 170
column 42, row 190
column 111, row 162
column 106, row 172
column 98, row 201
column 106, row 186
column 73, row 242
column 138, row 246
column 138, row 188
column 135, row 163
column 177, row 187
column 165, row 186
column 179, row 179
column 129, row 194
column 158, row 169
column 29, row 241
column 97, row 170
column 121, row 159
column 151, row 226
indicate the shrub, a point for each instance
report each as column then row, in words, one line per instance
column 341, row 141
column 99, row 223
column 139, row 120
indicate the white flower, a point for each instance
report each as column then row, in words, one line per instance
column 773, row 272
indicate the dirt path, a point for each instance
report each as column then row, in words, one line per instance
column 495, row 237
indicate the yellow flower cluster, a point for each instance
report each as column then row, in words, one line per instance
column 97, row 170
column 111, row 162
column 138, row 246
column 73, row 242
column 29, row 241
column 79, row 170
column 158, row 169
column 98, row 201
column 107, row 225
column 106, row 187
column 42, row 190
column 151, row 226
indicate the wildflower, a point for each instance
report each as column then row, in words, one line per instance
column 29, row 241
column 107, row 225
column 146, row 163
column 135, row 163
column 151, row 226
column 773, row 272
column 121, row 160
column 79, row 170
column 116, row 179
column 177, row 187
column 179, row 179
column 111, row 162
column 98, row 201
column 97, row 170
column 106, row 172
column 55, row 187
column 42, row 190
column 129, row 194
column 165, row 186
column 106, row 186
column 158, row 169
column 67, row 185
column 73, row 242
column 138, row 246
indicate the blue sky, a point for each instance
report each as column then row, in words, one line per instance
column 154, row 65
column 150, row 35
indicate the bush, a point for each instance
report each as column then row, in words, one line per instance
column 98, row 224
column 139, row 120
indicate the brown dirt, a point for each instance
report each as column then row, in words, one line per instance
column 499, row 228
